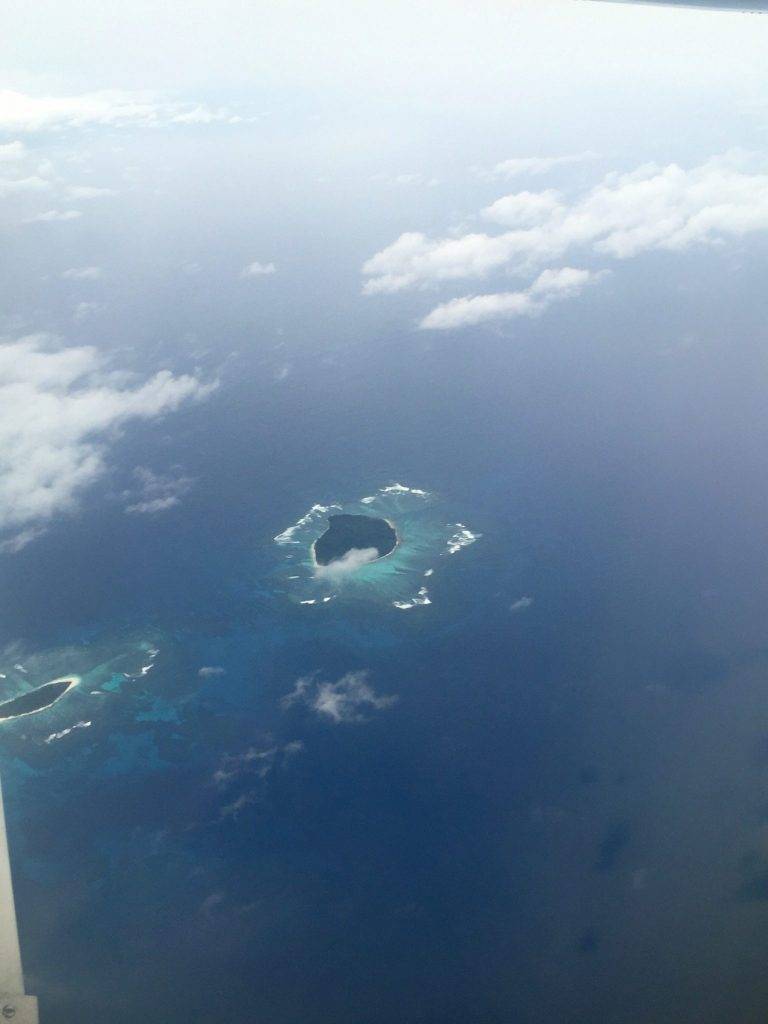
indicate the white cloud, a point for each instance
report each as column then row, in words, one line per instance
column 550, row 286
column 82, row 273
column 157, row 493
column 524, row 209
column 89, row 192
column 252, row 760
column 14, row 186
column 257, row 269
column 414, row 260
column 342, row 701
column 254, row 763
column 59, row 408
column 207, row 671
column 232, row 810
column 12, row 151
column 349, row 562
column 54, row 215
column 17, row 541
column 535, row 165
column 652, row 208
column 521, row 604
column 21, row 112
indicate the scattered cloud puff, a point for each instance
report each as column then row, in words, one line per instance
column 653, row 207
column 208, row 671
column 12, row 151
column 59, row 409
column 249, row 770
column 54, row 215
column 157, row 493
column 257, row 269
column 350, row 562
column 83, row 274
column 550, row 286
column 232, row 809
column 535, row 165
column 18, row 541
column 340, row 702
column 521, row 604
column 21, row 112
column 252, row 761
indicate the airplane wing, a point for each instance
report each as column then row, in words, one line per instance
column 746, row 6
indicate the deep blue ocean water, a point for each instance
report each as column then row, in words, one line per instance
column 561, row 819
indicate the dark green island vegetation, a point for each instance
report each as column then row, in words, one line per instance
column 347, row 533
column 35, row 700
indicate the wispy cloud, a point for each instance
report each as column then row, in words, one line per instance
column 59, row 410
column 85, row 310
column 83, row 274
column 404, row 180
column 344, row 701
column 258, row 269
column 349, row 562
column 156, row 493
column 22, row 112
column 54, row 215
column 248, row 770
column 536, row 165
column 89, row 192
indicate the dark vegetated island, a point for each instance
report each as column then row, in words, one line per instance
column 35, row 700
column 348, row 532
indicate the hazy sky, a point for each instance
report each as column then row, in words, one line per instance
column 443, row 165
column 399, row 54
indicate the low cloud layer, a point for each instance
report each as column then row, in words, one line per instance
column 59, row 410
column 346, row 700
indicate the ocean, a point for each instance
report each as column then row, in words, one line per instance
column 538, row 797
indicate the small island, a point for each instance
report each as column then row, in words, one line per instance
column 347, row 533
column 36, row 700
